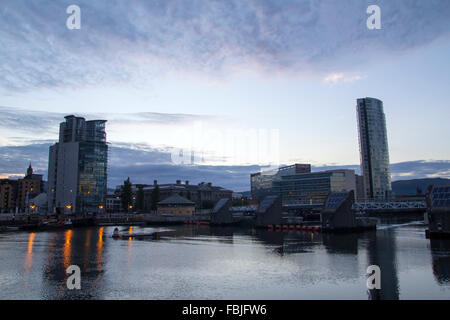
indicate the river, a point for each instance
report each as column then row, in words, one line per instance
column 202, row 262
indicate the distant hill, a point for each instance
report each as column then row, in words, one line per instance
column 405, row 187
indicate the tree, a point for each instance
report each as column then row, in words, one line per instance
column 155, row 197
column 188, row 195
column 140, row 198
column 126, row 195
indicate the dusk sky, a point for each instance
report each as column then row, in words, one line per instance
column 192, row 74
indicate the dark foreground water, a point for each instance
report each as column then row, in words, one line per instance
column 190, row 262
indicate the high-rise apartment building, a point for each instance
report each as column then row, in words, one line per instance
column 77, row 168
column 373, row 146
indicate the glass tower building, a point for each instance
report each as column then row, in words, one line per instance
column 373, row 146
column 77, row 169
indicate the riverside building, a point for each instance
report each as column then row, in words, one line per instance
column 297, row 183
column 77, row 169
column 374, row 151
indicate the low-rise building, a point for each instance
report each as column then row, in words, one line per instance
column 8, row 195
column 15, row 195
column 204, row 195
column 177, row 206
column 113, row 204
column 38, row 204
column 28, row 187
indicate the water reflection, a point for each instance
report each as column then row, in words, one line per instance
column 29, row 256
column 440, row 253
column 342, row 243
column 201, row 261
column 67, row 248
column 99, row 257
column 382, row 252
column 81, row 247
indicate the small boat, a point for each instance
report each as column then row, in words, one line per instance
column 116, row 233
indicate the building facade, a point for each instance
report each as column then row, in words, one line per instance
column 16, row 195
column 262, row 182
column 374, row 151
column 29, row 187
column 8, row 195
column 360, row 194
column 77, row 170
column 113, row 204
column 314, row 187
column 177, row 206
column 204, row 195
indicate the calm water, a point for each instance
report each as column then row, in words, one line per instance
column 190, row 262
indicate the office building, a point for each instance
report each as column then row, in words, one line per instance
column 314, row 187
column 373, row 146
column 262, row 182
column 77, row 168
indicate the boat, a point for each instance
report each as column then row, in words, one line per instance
column 116, row 233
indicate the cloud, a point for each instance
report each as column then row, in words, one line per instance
column 335, row 78
column 406, row 170
column 133, row 41
column 420, row 169
column 15, row 123
column 143, row 164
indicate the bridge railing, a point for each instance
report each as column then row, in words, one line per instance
column 389, row 205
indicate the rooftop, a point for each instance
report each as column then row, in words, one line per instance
column 176, row 199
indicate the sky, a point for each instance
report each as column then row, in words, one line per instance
column 242, row 84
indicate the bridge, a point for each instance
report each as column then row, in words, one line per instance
column 390, row 206
column 362, row 206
